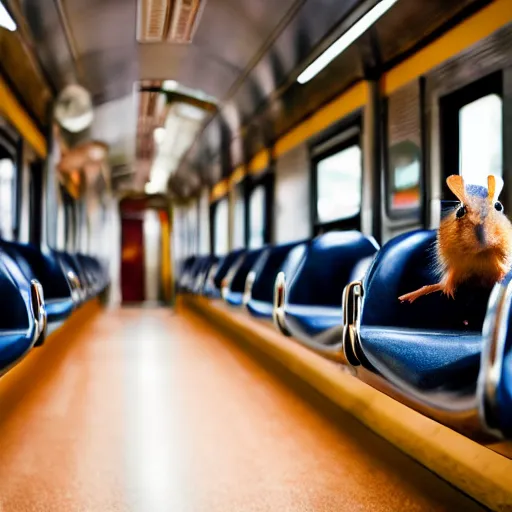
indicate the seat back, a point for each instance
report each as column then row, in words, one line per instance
column 224, row 265
column 43, row 266
column 405, row 264
column 237, row 283
column 268, row 268
column 327, row 268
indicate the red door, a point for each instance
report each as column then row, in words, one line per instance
column 132, row 260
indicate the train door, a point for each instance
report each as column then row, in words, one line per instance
column 145, row 251
column 132, row 259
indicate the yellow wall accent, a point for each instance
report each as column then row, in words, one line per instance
column 219, row 190
column 482, row 24
column 350, row 100
column 14, row 112
column 259, row 162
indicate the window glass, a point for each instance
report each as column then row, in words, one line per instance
column 480, row 139
column 7, row 198
column 339, row 185
column 239, row 218
column 405, row 167
column 257, row 218
column 221, row 228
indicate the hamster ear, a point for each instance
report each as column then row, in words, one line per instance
column 494, row 187
column 455, row 183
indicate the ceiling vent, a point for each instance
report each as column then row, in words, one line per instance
column 185, row 18
column 153, row 16
column 174, row 21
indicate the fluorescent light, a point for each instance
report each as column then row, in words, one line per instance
column 6, row 20
column 339, row 46
column 159, row 135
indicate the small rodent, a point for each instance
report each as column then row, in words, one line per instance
column 474, row 241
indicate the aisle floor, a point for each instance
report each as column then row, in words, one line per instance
column 146, row 410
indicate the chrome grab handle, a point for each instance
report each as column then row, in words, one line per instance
column 38, row 307
column 352, row 300
column 249, row 282
column 279, row 301
column 75, row 285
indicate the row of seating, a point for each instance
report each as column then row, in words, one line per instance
column 39, row 289
column 338, row 295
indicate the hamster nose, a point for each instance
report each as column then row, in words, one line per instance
column 480, row 234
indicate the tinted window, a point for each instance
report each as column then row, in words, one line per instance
column 339, row 185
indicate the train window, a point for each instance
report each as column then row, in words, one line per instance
column 7, row 198
column 338, row 184
column 220, row 228
column 472, row 132
column 239, row 216
column 480, row 139
column 257, row 218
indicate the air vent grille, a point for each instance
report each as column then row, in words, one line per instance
column 174, row 21
column 184, row 20
column 153, row 20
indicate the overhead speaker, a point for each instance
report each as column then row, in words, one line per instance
column 74, row 109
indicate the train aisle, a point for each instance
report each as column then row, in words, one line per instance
column 145, row 410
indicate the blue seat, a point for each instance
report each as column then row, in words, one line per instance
column 22, row 322
column 225, row 265
column 184, row 279
column 45, row 267
column 261, row 300
column 312, row 310
column 234, row 287
column 201, row 273
column 428, row 352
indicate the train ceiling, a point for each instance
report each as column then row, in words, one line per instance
column 243, row 55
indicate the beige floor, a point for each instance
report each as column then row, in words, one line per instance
column 143, row 410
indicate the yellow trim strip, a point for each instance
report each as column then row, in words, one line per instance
column 221, row 189
column 237, row 176
column 14, row 112
column 479, row 26
column 352, row 99
column 260, row 161
column 480, row 472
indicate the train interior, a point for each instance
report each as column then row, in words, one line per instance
column 255, row 255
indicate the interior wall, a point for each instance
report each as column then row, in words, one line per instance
column 292, row 196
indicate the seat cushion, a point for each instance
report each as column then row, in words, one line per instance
column 260, row 308
column 312, row 320
column 425, row 359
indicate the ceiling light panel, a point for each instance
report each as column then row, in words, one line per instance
column 348, row 37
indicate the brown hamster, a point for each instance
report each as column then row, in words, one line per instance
column 473, row 242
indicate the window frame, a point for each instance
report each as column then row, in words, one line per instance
column 265, row 179
column 349, row 136
column 450, row 106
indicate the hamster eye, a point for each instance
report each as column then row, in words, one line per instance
column 461, row 212
column 498, row 206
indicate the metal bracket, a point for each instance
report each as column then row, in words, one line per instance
column 352, row 301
